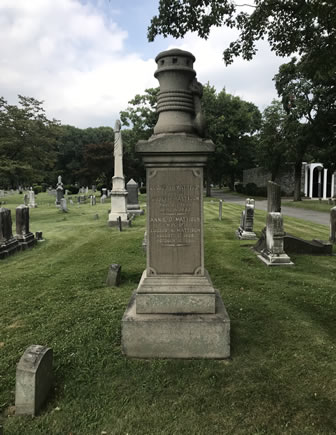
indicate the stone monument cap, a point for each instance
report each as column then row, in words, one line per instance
column 132, row 182
column 175, row 59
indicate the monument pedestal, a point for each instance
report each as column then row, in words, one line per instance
column 9, row 247
column 175, row 335
column 245, row 235
column 118, row 203
column 26, row 241
column 175, row 311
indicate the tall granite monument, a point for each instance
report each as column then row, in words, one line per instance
column 119, row 193
column 175, row 311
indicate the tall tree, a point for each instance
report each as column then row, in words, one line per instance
column 27, row 142
column 307, row 28
column 232, row 125
column 311, row 109
column 271, row 149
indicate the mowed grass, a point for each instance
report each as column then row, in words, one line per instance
column 282, row 374
column 310, row 204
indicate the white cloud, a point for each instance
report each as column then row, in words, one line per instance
column 252, row 81
column 72, row 56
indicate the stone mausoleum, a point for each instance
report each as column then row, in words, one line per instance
column 316, row 181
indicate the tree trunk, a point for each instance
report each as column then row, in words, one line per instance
column 297, row 181
column 208, row 187
column 232, row 181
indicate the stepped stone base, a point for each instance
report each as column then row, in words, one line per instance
column 26, row 241
column 9, row 247
column 186, row 336
column 245, row 235
column 135, row 210
column 275, row 259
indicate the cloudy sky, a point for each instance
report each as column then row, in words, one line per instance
column 87, row 58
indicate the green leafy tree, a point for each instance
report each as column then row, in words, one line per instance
column 310, row 108
column 271, row 149
column 27, row 142
column 77, row 161
column 307, row 28
column 232, row 124
column 141, row 116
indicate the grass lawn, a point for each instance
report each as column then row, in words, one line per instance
column 309, row 204
column 282, row 374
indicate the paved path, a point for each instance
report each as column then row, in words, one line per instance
column 317, row 217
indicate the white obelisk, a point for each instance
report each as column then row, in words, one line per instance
column 119, row 193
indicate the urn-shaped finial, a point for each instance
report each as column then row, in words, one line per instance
column 178, row 105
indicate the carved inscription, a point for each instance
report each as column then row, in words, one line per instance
column 174, row 220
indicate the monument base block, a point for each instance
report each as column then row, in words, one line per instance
column 245, row 235
column 118, row 208
column 135, row 210
column 202, row 336
column 275, row 259
column 9, row 247
column 27, row 241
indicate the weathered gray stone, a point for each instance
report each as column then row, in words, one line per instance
column 176, row 336
column 25, row 237
column 113, row 275
column 273, row 197
column 32, row 203
column 245, row 230
column 274, row 254
column 63, row 205
column 144, row 243
column 59, row 191
column 8, row 244
column 176, row 312
column 119, row 193
column 220, row 209
column 33, row 379
column 332, row 237
column 93, row 200
column 133, row 206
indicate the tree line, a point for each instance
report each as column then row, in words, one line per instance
column 299, row 126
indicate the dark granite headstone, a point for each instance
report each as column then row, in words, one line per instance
column 8, row 244
column 25, row 238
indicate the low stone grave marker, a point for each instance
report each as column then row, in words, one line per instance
column 113, row 275
column 33, row 379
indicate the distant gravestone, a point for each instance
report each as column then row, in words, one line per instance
column 25, row 238
column 33, row 379
column 133, row 207
column 71, row 201
column 113, row 275
column 59, row 191
column 2, row 193
column 32, row 203
column 220, row 209
column 39, row 236
column 8, row 244
column 63, row 205
column 104, row 195
column 273, row 254
column 93, row 200
column 332, row 237
column 245, row 230
column 26, row 199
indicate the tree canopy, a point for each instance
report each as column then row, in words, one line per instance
column 307, row 28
